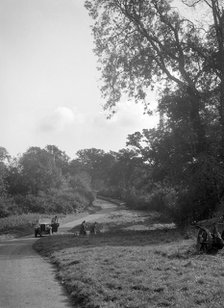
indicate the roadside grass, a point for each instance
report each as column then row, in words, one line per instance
column 121, row 219
column 18, row 224
column 136, row 269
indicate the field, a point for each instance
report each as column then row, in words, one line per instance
column 128, row 268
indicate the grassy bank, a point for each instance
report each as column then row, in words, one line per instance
column 136, row 269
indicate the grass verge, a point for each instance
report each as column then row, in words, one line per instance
column 136, row 269
column 18, row 225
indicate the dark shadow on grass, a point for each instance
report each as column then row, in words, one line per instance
column 113, row 238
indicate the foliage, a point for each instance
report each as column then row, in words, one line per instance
column 141, row 44
column 53, row 202
column 39, row 170
column 14, row 222
column 3, row 159
column 97, row 163
column 40, row 181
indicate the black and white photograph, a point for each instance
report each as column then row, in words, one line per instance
column 111, row 153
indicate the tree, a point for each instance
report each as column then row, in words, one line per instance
column 214, row 57
column 4, row 200
column 39, row 171
column 4, row 157
column 59, row 157
column 143, row 43
column 126, row 174
column 97, row 163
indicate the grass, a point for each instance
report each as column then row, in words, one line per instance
column 120, row 267
column 136, row 269
column 19, row 224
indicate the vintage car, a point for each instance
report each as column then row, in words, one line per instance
column 45, row 227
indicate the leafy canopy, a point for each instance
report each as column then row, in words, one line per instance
column 143, row 43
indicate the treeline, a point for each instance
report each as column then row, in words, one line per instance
column 42, row 181
column 156, row 171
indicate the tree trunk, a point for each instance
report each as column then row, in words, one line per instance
column 222, row 115
column 218, row 17
column 197, row 125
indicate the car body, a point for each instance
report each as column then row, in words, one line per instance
column 45, row 227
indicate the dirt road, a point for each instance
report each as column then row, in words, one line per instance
column 27, row 280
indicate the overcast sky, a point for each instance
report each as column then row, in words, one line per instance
column 49, row 88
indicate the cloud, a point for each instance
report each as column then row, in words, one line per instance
column 58, row 120
column 129, row 116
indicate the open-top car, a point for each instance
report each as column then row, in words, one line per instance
column 45, row 227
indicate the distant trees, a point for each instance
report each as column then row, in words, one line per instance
column 40, row 181
column 98, row 165
column 39, row 170
column 3, row 158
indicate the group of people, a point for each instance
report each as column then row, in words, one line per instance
column 83, row 228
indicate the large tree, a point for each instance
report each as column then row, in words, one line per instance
column 143, row 43
column 214, row 55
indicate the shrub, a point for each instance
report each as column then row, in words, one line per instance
column 55, row 201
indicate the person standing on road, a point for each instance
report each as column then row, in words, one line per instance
column 83, row 228
column 93, row 228
column 54, row 220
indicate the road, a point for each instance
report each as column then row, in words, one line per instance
column 28, row 280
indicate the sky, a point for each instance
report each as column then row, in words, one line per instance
column 49, row 83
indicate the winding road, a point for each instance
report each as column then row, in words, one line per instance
column 28, row 280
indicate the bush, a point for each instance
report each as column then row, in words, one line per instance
column 7, row 206
column 18, row 221
column 201, row 192
column 55, row 201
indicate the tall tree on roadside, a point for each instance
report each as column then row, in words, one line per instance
column 143, row 43
column 214, row 57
